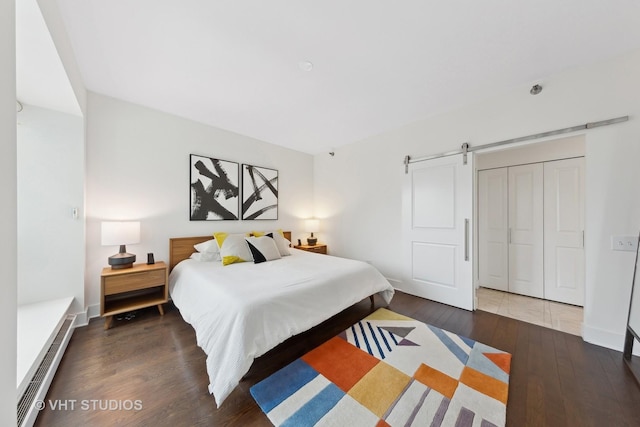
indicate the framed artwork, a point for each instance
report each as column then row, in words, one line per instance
column 214, row 189
column 259, row 193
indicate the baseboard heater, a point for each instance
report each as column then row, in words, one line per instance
column 37, row 388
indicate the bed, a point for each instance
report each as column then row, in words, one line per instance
column 241, row 311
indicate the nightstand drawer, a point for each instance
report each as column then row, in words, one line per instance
column 319, row 248
column 133, row 282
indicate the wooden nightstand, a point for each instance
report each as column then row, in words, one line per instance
column 129, row 289
column 319, row 249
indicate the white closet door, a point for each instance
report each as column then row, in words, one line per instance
column 563, row 231
column 526, row 268
column 437, row 208
column 493, row 226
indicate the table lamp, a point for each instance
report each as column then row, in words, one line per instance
column 121, row 233
column 312, row 225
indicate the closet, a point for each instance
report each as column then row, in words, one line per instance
column 531, row 229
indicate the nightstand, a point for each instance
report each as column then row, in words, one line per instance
column 319, row 249
column 127, row 289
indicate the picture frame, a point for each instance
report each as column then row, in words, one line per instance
column 259, row 193
column 214, row 189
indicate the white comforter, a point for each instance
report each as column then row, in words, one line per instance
column 241, row 311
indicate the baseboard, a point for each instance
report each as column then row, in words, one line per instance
column 394, row 282
column 608, row 339
column 93, row 311
column 80, row 320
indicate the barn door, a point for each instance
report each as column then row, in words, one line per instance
column 437, row 234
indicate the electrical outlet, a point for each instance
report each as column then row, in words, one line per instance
column 624, row 243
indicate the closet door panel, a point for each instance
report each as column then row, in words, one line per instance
column 526, row 256
column 493, row 248
column 564, row 231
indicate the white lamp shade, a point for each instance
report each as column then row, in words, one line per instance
column 115, row 233
column 312, row 225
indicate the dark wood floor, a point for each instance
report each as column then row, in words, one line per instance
column 556, row 378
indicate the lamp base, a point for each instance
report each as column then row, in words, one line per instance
column 311, row 241
column 121, row 260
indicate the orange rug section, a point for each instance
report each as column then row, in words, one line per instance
column 442, row 383
column 329, row 359
column 502, row 360
column 485, row 384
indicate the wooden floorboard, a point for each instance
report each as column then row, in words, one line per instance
column 552, row 392
column 556, row 378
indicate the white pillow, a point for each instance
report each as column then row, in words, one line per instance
column 263, row 249
column 208, row 246
column 205, row 256
column 233, row 248
column 281, row 242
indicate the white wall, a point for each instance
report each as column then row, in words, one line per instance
column 50, row 185
column 358, row 192
column 532, row 152
column 8, row 215
column 138, row 169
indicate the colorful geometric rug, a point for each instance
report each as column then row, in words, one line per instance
column 390, row 370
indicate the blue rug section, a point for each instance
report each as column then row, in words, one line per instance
column 311, row 412
column 384, row 339
column 377, row 341
column 452, row 346
column 481, row 363
column 467, row 341
column 275, row 389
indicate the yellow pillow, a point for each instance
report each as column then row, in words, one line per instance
column 220, row 238
column 233, row 248
column 262, row 233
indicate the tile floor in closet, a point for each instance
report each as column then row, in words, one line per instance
column 554, row 315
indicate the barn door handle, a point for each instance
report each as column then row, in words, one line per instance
column 466, row 239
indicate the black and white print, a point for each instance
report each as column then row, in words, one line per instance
column 259, row 193
column 214, row 189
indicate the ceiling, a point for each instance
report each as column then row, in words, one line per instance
column 40, row 76
column 377, row 64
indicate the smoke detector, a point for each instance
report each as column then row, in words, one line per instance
column 536, row 89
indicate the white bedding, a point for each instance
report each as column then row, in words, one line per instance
column 241, row 311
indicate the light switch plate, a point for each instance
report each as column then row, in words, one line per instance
column 624, row 243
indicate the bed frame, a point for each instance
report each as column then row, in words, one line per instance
column 181, row 248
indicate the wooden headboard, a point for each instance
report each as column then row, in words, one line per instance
column 181, row 248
